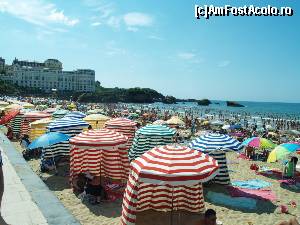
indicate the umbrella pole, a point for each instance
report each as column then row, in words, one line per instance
column 172, row 206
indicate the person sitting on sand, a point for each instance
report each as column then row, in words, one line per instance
column 290, row 168
column 95, row 189
column 250, row 152
column 25, row 141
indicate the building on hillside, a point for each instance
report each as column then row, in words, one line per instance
column 47, row 76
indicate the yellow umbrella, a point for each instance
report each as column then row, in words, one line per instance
column 206, row 122
column 12, row 106
column 38, row 128
column 3, row 104
column 97, row 121
column 28, row 106
column 175, row 120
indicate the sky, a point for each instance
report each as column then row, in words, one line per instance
column 161, row 45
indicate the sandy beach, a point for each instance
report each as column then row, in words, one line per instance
column 266, row 212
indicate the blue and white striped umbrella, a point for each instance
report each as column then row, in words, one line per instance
column 215, row 145
column 213, row 141
column 67, row 125
column 78, row 115
column 149, row 137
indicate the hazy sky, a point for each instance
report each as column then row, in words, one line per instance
column 160, row 45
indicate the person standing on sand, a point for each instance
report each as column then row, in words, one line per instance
column 2, row 222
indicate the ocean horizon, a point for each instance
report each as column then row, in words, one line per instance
column 285, row 110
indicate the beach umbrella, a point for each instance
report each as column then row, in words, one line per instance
column 71, row 106
column 282, row 151
column 99, row 152
column 167, row 178
column 217, row 122
column 9, row 115
column 226, row 127
column 258, row 142
column 76, row 114
column 216, row 145
column 29, row 118
column 38, row 128
column 12, row 106
column 134, row 115
column 126, row 127
column 49, row 110
column 175, row 120
column 97, row 121
column 3, row 104
column 95, row 111
column 27, row 105
column 60, row 113
column 149, row 137
column 67, row 125
column 159, row 122
column 214, row 141
column 48, row 139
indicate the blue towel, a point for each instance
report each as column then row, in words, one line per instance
column 251, row 184
column 226, row 200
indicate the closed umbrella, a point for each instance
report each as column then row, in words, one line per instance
column 167, row 178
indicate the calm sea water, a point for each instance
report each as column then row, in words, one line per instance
column 266, row 109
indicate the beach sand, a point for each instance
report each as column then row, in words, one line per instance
column 109, row 213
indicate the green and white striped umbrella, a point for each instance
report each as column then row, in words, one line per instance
column 149, row 137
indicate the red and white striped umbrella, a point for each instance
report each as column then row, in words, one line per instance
column 9, row 116
column 31, row 117
column 100, row 152
column 126, row 127
column 167, row 178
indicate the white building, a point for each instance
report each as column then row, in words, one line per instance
column 49, row 75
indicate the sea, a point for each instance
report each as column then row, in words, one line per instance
column 262, row 109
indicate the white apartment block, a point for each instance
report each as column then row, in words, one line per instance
column 48, row 76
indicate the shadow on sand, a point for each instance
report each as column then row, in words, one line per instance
column 262, row 206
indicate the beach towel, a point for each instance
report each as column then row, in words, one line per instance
column 251, row 184
column 275, row 173
column 250, row 193
column 236, row 202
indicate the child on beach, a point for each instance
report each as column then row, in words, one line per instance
column 290, row 168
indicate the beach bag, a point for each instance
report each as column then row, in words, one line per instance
column 254, row 167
